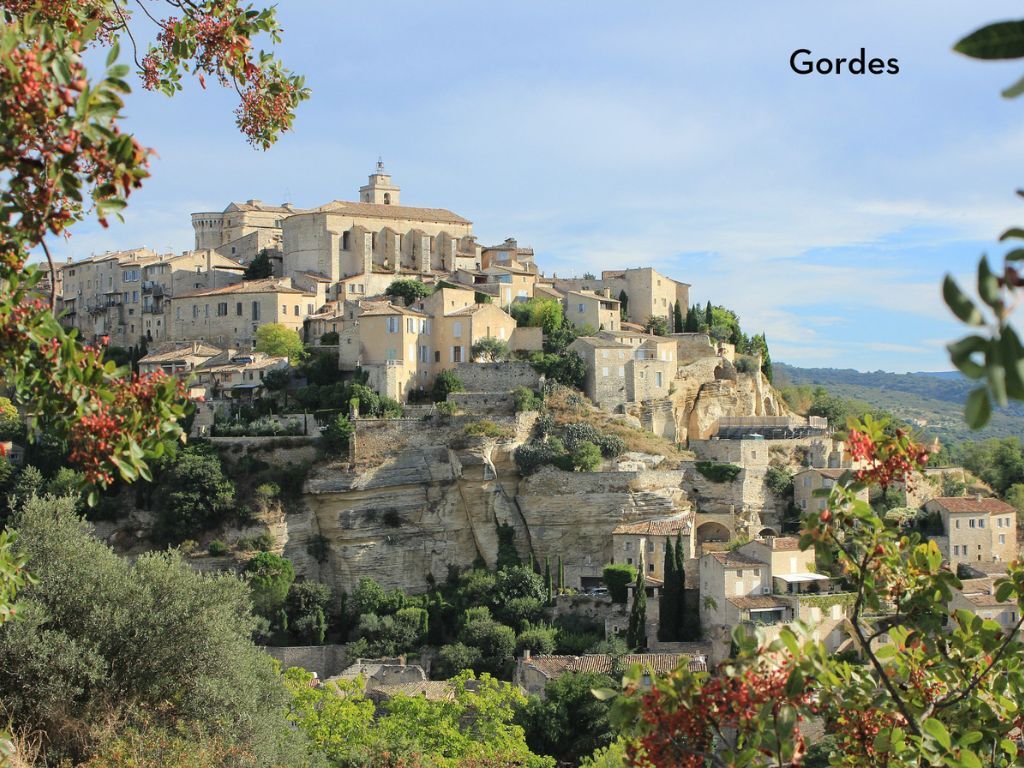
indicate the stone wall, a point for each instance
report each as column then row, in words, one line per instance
column 497, row 377
column 527, row 340
column 693, row 346
column 273, row 450
column 325, row 660
column 479, row 403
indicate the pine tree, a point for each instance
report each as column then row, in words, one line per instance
column 561, row 575
column 692, row 320
column 709, row 317
column 635, row 634
column 549, row 587
column 678, row 312
column 668, row 604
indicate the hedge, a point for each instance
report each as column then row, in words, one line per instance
column 718, row 473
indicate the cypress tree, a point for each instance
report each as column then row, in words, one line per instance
column 638, row 612
column 549, row 587
column 678, row 317
column 687, row 621
column 623, row 304
column 766, row 360
column 709, row 317
column 668, row 604
column 533, row 563
column 561, row 575
column 692, row 321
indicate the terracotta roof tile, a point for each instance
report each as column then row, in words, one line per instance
column 669, row 526
column 759, row 601
column 783, row 543
column 736, row 559
column 377, row 211
column 957, row 504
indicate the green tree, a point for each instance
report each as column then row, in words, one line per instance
column 692, row 324
column 616, row 577
column 496, row 643
column 539, row 640
column 260, row 267
column 408, row 290
column 545, row 314
column 636, row 635
column 677, row 314
column 279, row 340
column 549, row 588
column 145, row 642
column 454, row 658
column 28, row 483
column 1015, row 497
column 270, row 577
column 307, row 605
column 623, row 305
column 586, row 457
column 659, row 326
column 709, row 317
column 668, row 603
column 569, row 722
column 687, row 619
column 490, row 350
column 193, row 494
column 445, row 383
column 337, row 433
column 561, row 575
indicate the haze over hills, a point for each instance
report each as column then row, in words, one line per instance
column 932, row 400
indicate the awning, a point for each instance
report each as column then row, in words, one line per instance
column 791, row 578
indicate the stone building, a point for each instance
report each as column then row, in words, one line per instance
column 242, row 230
column 650, row 538
column 979, row 597
column 626, row 367
column 807, row 481
column 649, row 293
column 123, row 295
column 589, row 310
column 230, row 316
column 532, row 673
column 605, row 362
column 178, row 358
column 976, row 529
column 236, row 374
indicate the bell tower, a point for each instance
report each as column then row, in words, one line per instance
column 379, row 190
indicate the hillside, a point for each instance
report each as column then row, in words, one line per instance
column 934, row 401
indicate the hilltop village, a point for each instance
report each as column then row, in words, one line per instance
column 450, row 408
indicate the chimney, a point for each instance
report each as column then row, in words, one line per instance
column 977, row 496
column 526, row 654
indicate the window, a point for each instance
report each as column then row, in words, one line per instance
column 238, row 308
column 410, row 324
column 604, row 371
column 344, row 241
column 457, row 329
column 579, row 307
column 284, row 309
column 629, row 561
column 650, row 546
column 222, row 309
column 177, row 313
column 391, row 353
column 309, row 309
column 650, row 567
column 1002, row 538
column 627, row 545
column 206, row 310
column 255, row 311
column 135, row 297
column 622, row 371
column 195, row 311
column 657, row 378
column 957, row 523
column 393, row 325
column 981, row 522
column 437, row 355
column 456, row 354
column 971, row 523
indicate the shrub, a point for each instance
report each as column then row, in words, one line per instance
column 193, row 495
column 586, row 457
column 329, row 339
column 486, row 428
column 536, row 639
column 579, row 432
column 262, row 543
column 336, row 434
column 617, row 577
column 718, row 473
column 408, row 290
column 611, row 445
column 454, row 658
column 445, row 408
column 527, row 400
column 446, row 383
column 490, row 350
column 267, row 492
column 496, row 643
column 544, row 425
column 531, row 456
column 217, row 548
column 270, row 577
column 779, row 481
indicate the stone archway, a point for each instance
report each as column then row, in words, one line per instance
column 766, row 532
column 711, row 533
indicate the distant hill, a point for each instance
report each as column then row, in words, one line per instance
column 934, row 401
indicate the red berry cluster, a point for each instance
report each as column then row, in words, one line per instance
column 680, row 733
column 856, row 730
column 888, row 460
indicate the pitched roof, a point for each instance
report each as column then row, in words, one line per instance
column 379, row 309
column 957, row 504
column 179, row 352
column 591, row 295
column 981, row 592
column 269, row 285
column 736, row 559
column 658, row 663
column 758, row 601
column 431, row 690
column 668, row 526
column 375, row 210
column 833, row 473
column 782, row 543
column 598, row 343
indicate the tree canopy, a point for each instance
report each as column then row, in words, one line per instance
column 279, row 340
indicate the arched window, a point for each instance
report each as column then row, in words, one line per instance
column 387, row 198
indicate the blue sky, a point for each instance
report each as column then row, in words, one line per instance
column 823, row 209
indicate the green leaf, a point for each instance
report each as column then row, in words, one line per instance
column 1014, row 90
column 969, row 759
column 1002, row 40
column 1003, row 591
column 1008, row 747
column 988, row 285
column 937, row 731
column 978, row 410
column 603, row 694
column 959, row 303
column 960, row 355
column 115, row 51
column 1014, row 232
